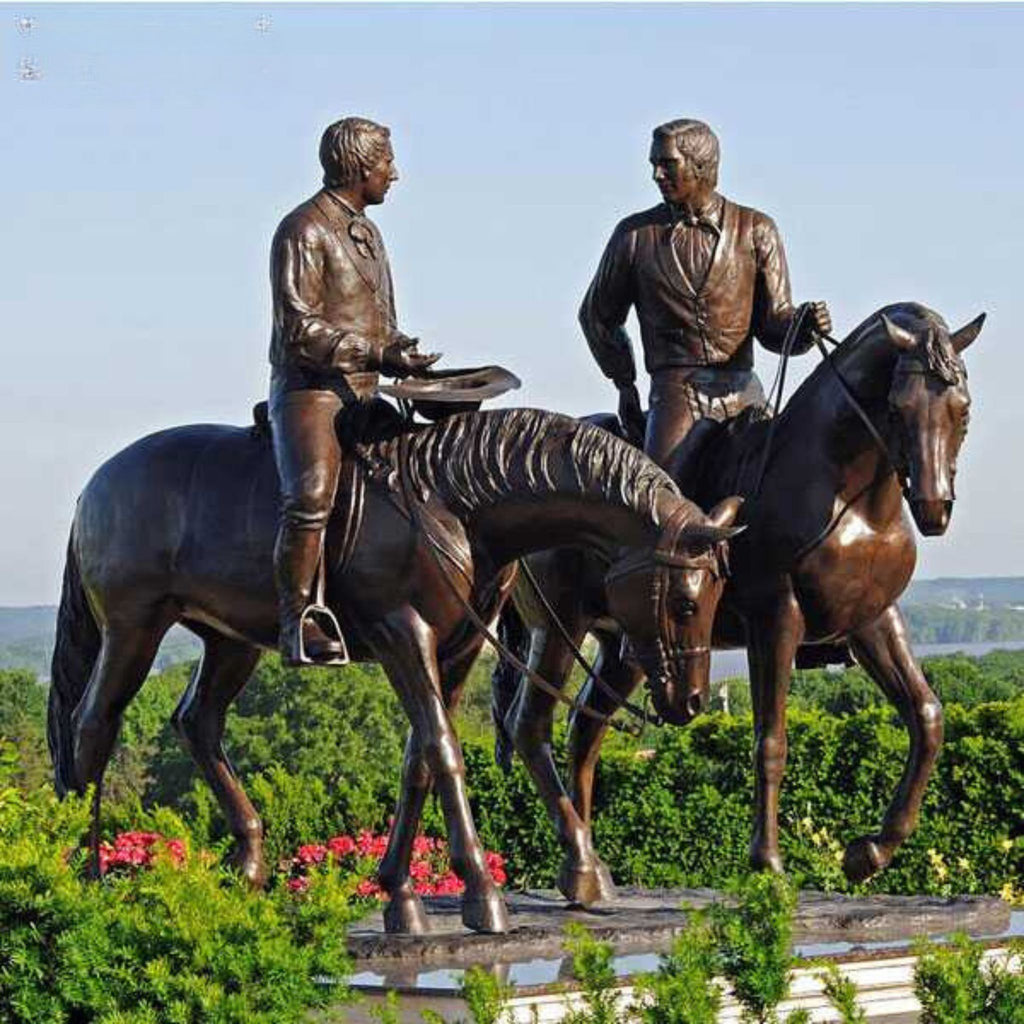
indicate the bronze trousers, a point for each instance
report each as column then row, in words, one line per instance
column 682, row 396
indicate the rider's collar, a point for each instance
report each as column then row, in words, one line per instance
column 343, row 203
column 710, row 214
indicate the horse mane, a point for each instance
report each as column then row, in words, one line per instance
column 478, row 459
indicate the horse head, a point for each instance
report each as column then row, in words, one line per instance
column 665, row 599
column 929, row 409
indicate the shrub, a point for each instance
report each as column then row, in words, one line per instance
column 181, row 941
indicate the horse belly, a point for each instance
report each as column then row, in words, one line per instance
column 853, row 575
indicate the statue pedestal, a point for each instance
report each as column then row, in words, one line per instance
column 869, row 938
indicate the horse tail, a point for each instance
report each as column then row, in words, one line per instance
column 513, row 634
column 75, row 652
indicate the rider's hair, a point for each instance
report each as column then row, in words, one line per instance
column 350, row 147
column 695, row 140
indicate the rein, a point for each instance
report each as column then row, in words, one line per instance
column 792, row 332
column 436, row 549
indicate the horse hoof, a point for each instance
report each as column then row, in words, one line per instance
column 249, row 864
column 582, row 885
column 762, row 859
column 485, row 914
column 864, row 858
column 606, row 882
column 404, row 915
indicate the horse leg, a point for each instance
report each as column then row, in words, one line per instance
column 579, row 878
column 199, row 722
column 773, row 638
column 404, row 912
column 126, row 655
column 883, row 649
column 408, row 653
column 587, row 733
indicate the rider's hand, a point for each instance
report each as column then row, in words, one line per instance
column 820, row 319
column 400, row 358
column 631, row 414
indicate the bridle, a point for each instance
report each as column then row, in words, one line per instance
column 663, row 556
column 892, row 460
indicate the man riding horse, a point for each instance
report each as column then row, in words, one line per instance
column 334, row 333
column 705, row 276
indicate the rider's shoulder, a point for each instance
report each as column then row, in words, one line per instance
column 761, row 225
column 637, row 222
column 305, row 222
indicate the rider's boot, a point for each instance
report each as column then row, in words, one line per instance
column 296, row 561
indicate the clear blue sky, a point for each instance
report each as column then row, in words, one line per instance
column 145, row 170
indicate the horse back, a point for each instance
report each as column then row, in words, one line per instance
column 173, row 502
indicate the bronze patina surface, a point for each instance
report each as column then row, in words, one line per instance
column 828, row 550
column 180, row 527
column 334, row 333
column 706, row 277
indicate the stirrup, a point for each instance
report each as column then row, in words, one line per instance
column 325, row 619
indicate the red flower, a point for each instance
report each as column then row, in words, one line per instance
column 313, row 853
column 368, row 887
column 341, row 846
column 298, row 884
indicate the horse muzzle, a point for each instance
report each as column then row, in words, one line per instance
column 931, row 515
column 681, row 693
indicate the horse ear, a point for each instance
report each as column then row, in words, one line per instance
column 702, row 536
column 962, row 338
column 899, row 336
column 725, row 512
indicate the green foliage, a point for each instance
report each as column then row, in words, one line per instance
column 22, row 721
column 485, row 996
column 592, row 968
column 754, row 940
column 683, row 990
column 172, row 945
column 955, row 986
column 842, row 994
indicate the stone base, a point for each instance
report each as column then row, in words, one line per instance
column 869, row 937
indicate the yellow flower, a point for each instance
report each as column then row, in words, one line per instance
column 1007, row 845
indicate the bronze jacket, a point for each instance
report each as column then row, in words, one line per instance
column 334, row 310
column 745, row 294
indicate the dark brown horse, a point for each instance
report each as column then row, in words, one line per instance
column 827, row 553
column 179, row 527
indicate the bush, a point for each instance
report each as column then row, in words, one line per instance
column 180, row 942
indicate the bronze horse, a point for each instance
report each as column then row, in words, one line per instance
column 827, row 552
column 179, row 527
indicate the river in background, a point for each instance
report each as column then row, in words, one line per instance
column 726, row 664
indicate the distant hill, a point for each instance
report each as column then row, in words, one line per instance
column 982, row 609
column 26, row 640
column 967, row 592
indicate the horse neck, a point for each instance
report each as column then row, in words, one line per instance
column 562, row 519
column 821, row 413
column 524, row 480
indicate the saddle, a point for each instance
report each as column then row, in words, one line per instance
column 433, row 396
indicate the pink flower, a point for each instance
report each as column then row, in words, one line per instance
column 367, row 887
column 298, row 884
column 313, row 853
column 341, row 846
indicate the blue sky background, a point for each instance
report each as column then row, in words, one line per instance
column 145, row 170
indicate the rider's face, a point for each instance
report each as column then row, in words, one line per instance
column 379, row 177
column 674, row 173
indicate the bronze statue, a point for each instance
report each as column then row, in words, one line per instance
column 334, row 333
column 180, row 526
column 827, row 553
column 706, row 276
